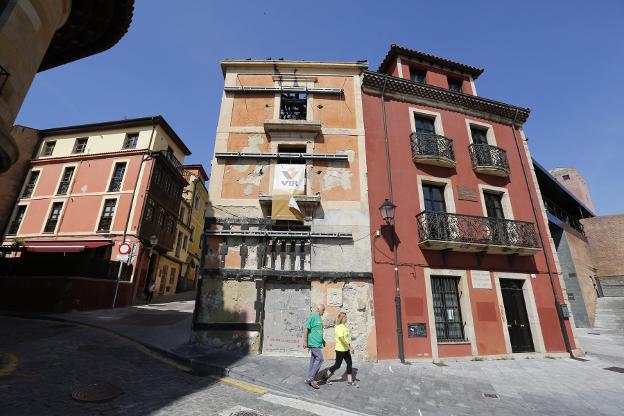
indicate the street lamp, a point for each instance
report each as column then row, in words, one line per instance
column 387, row 211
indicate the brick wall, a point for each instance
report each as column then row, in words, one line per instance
column 606, row 242
column 12, row 180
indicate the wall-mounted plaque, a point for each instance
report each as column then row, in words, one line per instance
column 481, row 279
column 417, row 330
column 466, row 193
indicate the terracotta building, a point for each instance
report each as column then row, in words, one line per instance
column 177, row 270
column 88, row 189
column 574, row 182
column 465, row 267
column 36, row 35
column 606, row 242
column 287, row 222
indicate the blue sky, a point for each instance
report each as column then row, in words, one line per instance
column 563, row 59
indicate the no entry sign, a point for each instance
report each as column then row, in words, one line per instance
column 124, row 248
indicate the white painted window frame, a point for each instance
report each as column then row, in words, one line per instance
column 491, row 138
column 449, row 199
column 437, row 119
column 101, row 210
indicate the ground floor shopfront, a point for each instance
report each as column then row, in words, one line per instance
column 454, row 313
column 267, row 314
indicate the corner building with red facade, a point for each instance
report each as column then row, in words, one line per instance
column 475, row 270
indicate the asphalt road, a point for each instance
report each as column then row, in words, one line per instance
column 43, row 362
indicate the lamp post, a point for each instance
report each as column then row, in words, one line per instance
column 387, row 211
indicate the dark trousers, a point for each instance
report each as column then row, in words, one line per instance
column 342, row 355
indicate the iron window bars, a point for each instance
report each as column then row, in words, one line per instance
column 442, row 226
column 448, row 320
column 485, row 155
column 118, row 174
column 68, row 173
column 32, row 182
column 106, row 219
column 131, row 141
column 81, row 145
column 53, row 218
column 293, row 106
column 48, row 148
column 432, row 146
column 17, row 221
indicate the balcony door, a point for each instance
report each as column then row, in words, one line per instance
column 436, row 223
column 426, row 143
column 497, row 224
column 482, row 150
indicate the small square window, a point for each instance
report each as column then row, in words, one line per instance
column 418, row 75
column 566, row 177
column 455, row 84
column 293, row 106
column 131, row 141
column 81, row 145
column 48, row 148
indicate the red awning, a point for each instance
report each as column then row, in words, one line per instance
column 63, row 246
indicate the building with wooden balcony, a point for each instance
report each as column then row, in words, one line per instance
column 269, row 255
column 465, row 266
column 88, row 189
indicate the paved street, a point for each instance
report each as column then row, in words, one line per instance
column 54, row 359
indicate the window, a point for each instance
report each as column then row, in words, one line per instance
column 149, row 210
column 566, row 177
column 17, row 220
column 433, row 196
column 48, row 148
column 106, row 219
column 448, row 319
column 65, row 180
column 418, row 75
column 172, row 275
column 178, row 244
column 117, row 179
column 192, row 233
column 157, row 175
column 196, row 202
column 182, row 215
column 293, row 106
column 424, row 125
column 455, row 84
column 81, row 145
column 30, row 185
column 53, row 218
column 131, row 141
column 291, row 148
column 479, row 135
column 184, row 242
column 161, row 216
column 493, row 205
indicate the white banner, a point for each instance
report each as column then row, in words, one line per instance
column 289, row 179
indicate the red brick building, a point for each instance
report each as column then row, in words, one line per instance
column 475, row 270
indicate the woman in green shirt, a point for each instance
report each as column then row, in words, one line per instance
column 343, row 349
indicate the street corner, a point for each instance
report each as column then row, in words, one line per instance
column 8, row 363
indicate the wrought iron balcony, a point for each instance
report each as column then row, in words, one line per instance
column 432, row 149
column 469, row 233
column 489, row 159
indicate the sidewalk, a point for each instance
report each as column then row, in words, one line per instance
column 523, row 386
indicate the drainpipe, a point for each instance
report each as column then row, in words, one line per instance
column 564, row 332
column 395, row 260
column 134, row 190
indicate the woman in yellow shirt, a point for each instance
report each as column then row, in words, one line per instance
column 343, row 349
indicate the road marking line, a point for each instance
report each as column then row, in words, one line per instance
column 240, row 384
column 11, row 364
column 317, row 409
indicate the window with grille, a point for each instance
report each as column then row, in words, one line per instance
column 106, row 219
column 53, row 217
column 117, row 179
column 68, row 173
column 161, row 216
column 293, row 106
column 17, row 220
column 81, row 145
column 131, row 141
column 448, row 320
column 30, row 185
column 479, row 135
column 48, row 148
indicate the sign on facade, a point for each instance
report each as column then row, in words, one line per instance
column 466, row 193
column 334, row 297
column 288, row 181
column 481, row 279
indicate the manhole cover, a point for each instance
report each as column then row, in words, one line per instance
column 616, row 369
column 246, row 413
column 491, row 396
column 96, row 392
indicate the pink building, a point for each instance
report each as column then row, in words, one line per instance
column 90, row 188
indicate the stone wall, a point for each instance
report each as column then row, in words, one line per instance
column 12, row 180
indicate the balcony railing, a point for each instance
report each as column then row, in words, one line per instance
column 169, row 156
column 432, row 149
column 441, row 230
column 489, row 159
